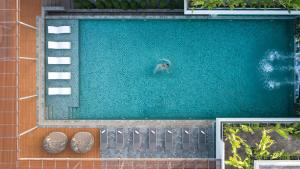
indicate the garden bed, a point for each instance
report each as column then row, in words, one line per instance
column 245, row 143
column 241, row 7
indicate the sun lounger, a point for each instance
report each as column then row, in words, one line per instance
column 59, row 91
column 120, row 138
column 152, row 139
column 186, row 138
column 136, row 139
column 168, row 139
column 104, row 138
column 202, row 138
column 59, row 60
column 59, row 75
column 59, row 45
column 59, row 29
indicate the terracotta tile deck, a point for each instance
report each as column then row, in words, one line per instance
column 116, row 164
column 8, row 114
column 31, row 144
column 27, row 114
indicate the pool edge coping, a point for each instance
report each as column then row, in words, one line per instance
column 41, row 120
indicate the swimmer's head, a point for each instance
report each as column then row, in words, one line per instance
column 166, row 65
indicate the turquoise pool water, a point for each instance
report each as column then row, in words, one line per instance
column 215, row 69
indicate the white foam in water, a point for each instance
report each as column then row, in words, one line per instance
column 267, row 67
column 272, row 84
column 273, row 55
column 287, row 68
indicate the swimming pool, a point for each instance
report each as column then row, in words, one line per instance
column 219, row 68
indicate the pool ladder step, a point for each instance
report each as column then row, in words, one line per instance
column 50, row 113
column 71, row 112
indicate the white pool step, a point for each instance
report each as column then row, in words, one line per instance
column 59, row 75
column 59, row 45
column 59, row 60
column 59, row 29
column 59, row 91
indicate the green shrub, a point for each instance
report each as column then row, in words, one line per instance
column 296, row 130
column 83, row 4
column 124, row 4
column 108, row 4
column 236, row 3
column 143, row 4
column 287, row 4
column 153, row 4
column 180, row 4
column 116, row 4
column 100, row 4
column 87, row 4
column 163, row 4
column 172, row 4
column 266, row 3
column 290, row 4
column 210, row 4
column 77, row 4
column 133, row 4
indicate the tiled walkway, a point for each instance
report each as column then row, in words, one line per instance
column 8, row 88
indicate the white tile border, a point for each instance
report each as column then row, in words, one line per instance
column 220, row 145
column 277, row 163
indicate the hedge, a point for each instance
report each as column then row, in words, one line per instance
column 129, row 4
column 211, row 4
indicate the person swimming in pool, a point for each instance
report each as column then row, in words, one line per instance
column 162, row 66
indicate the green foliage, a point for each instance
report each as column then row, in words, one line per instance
column 143, row 4
column 108, row 4
column 198, row 3
column 133, row 4
column 290, row 4
column 207, row 4
column 296, row 130
column 163, row 4
column 235, row 140
column 247, row 129
column 172, row 4
column 277, row 155
column 283, row 131
column 261, row 151
column 77, row 4
column 262, row 148
column 237, row 162
column 124, row 4
column 153, row 4
column 236, row 3
column 100, row 4
column 116, row 4
column 83, row 4
column 211, row 4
